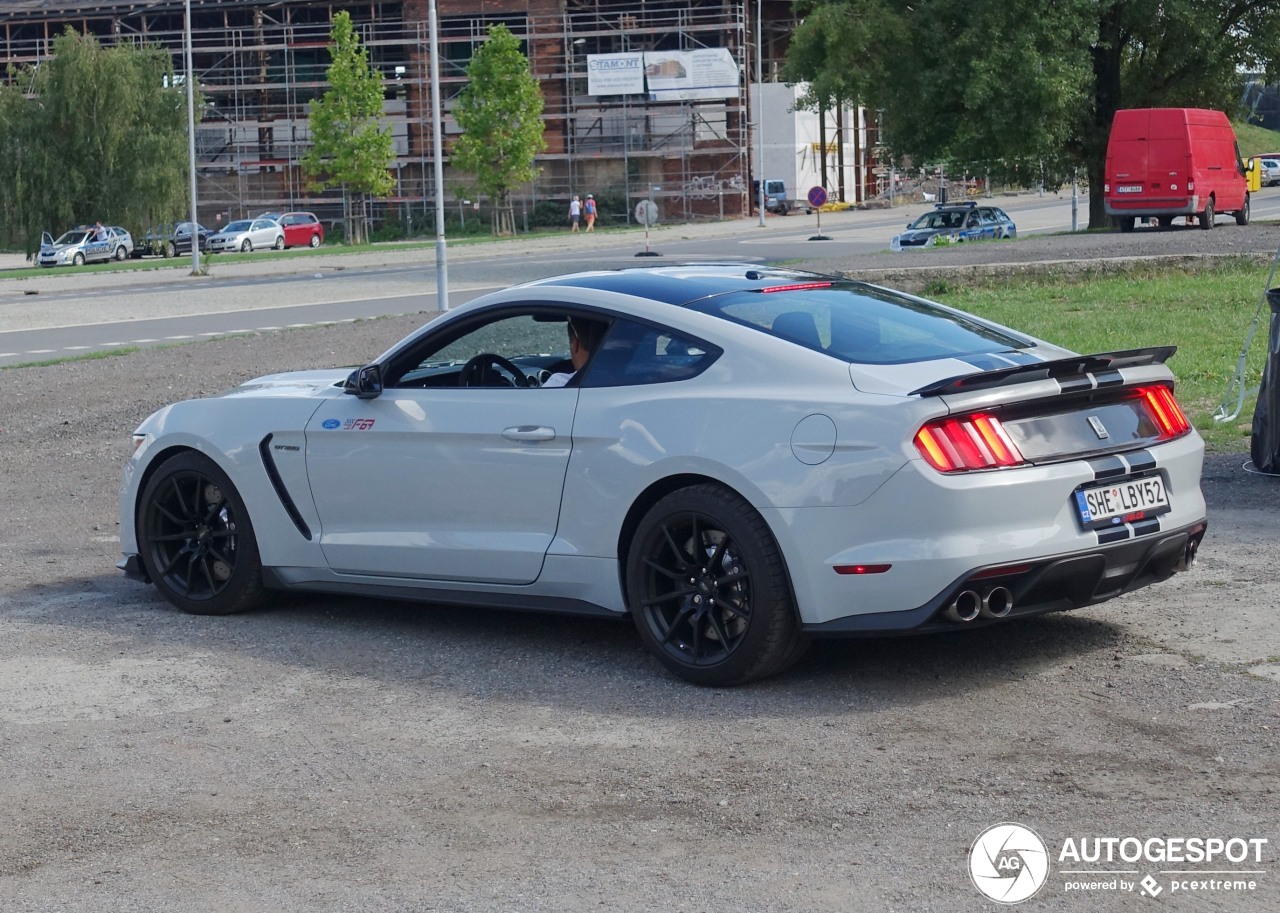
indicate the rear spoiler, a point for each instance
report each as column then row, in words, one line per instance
column 1081, row 366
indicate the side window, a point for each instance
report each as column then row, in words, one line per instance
column 537, row 347
column 635, row 354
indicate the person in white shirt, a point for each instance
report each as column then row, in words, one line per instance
column 584, row 336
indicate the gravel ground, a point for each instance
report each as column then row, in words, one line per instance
column 330, row 754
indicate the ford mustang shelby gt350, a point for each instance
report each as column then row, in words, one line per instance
column 750, row 458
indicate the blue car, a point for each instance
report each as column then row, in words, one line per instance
column 956, row 222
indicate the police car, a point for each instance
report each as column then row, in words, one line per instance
column 85, row 244
column 956, row 222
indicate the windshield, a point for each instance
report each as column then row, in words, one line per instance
column 238, row 226
column 71, row 237
column 862, row 324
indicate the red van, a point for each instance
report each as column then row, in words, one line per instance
column 1169, row 162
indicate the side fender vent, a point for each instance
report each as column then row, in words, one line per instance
column 269, row 464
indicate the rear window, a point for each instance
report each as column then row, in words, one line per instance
column 862, row 324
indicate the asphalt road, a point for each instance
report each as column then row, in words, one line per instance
column 63, row 314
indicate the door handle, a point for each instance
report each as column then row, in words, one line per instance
column 529, row 433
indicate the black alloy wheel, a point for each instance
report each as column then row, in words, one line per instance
column 195, row 538
column 708, row 591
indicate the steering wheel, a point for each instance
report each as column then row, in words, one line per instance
column 490, row 370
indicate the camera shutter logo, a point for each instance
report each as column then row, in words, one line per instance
column 1008, row 863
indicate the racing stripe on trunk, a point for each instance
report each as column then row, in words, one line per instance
column 1108, row 467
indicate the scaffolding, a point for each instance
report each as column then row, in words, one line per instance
column 259, row 64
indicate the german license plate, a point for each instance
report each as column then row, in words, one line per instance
column 1121, row 502
column 1130, row 188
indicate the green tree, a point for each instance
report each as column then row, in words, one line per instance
column 93, row 133
column 351, row 146
column 1023, row 89
column 500, row 113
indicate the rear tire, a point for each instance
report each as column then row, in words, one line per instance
column 315, row 240
column 1125, row 223
column 279, row 245
column 195, row 538
column 708, row 590
column 1207, row 217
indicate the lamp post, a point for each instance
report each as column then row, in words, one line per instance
column 759, row 117
column 191, row 144
column 442, row 265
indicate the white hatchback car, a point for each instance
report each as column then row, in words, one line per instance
column 748, row 459
column 246, row 235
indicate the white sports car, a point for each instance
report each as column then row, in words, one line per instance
column 750, row 458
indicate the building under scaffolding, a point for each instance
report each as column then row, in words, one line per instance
column 259, row 63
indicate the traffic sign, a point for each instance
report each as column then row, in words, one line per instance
column 817, row 197
column 647, row 213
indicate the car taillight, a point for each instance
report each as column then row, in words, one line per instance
column 959, row 443
column 1164, row 411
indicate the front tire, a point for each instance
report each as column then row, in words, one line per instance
column 170, row 250
column 245, row 246
column 708, row 591
column 1242, row 214
column 196, row 540
column 121, row 253
column 77, row 259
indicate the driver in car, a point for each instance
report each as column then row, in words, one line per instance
column 584, row 337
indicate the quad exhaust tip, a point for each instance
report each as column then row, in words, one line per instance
column 969, row 605
column 965, row 608
column 997, row 603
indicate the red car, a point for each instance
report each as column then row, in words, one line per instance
column 301, row 229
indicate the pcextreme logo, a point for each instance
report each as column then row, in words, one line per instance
column 1010, row 863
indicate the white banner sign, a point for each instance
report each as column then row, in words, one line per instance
column 678, row 75
column 671, row 75
column 615, row 74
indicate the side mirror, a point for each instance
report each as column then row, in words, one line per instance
column 364, row 383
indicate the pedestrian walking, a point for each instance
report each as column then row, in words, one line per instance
column 589, row 209
column 575, row 212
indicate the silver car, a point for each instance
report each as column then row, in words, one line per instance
column 82, row 245
column 246, row 235
column 751, row 458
